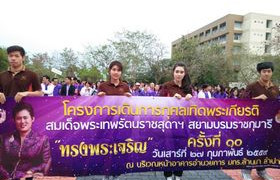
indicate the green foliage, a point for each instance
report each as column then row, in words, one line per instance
column 38, row 64
column 89, row 74
column 143, row 58
column 3, row 59
column 139, row 53
column 69, row 61
column 206, row 64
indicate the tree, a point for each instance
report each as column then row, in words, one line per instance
column 40, row 64
column 69, row 62
column 3, row 59
column 206, row 64
column 213, row 65
column 161, row 71
column 275, row 41
column 89, row 74
column 246, row 63
column 138, row 52
column 100, row 57
column 186, row 51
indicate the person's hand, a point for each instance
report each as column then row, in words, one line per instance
column 2, row 98
column 38, row 175
column 28, row 174
column 263, row 97
column 127, row 94
column 188, row 97
column 20, row 95
column 278, row 116
column 178, row 96
column 101, row 94
column 2, row 116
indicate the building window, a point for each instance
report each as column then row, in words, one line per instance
column 237, row 36
column 215, row 40
column 207, row 32
column 236, row 49
column 214, row 29
column 201, row 34
column 223, row 38
column 237, row 24
column 268, row 36
column 223, row 26
column 268, row 23
column 267, row 49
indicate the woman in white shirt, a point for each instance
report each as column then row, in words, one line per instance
column 86, row 90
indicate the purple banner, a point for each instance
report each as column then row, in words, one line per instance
column 78, row 136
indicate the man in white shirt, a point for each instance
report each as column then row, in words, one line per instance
column 205, row 92
column 46, row 86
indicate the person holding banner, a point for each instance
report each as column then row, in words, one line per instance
column 114, row 87
column 262, row 89
column 24, row 153
column 17, row 81
column 179, row 87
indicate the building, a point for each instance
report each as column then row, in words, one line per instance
column 253, row 31
column 258, row 31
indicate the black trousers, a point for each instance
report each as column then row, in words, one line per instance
column 176, row 173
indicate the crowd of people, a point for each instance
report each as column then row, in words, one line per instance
column 19, row 82
column 71, row 86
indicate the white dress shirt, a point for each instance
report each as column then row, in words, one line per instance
column 48, row 91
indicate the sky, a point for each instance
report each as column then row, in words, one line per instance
column 51, row 25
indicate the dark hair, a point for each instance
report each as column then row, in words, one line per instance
column 16, row 48
column 223, row 89
column 54, row 79
column 265, row 65
column 68, row 77
column 186, row 81
column 22, row 106
column 47, row 77
column 232, row 90
column 89, row 83
column 116, row 63
column 204, row 86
